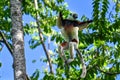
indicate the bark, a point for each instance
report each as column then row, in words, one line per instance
column 18, row 40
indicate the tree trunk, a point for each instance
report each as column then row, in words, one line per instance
column 18, row 40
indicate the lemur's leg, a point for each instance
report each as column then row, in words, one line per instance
column 61, row 49
column 62, row 56
column 71, row 50
column 72, row 46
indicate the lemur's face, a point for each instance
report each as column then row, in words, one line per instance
column 72, row 16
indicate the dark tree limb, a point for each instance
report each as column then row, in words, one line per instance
column 107, row 72
column 41, row 37
column 2, row 41
column 6, row 43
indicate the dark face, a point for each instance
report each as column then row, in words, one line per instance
column 75, row 16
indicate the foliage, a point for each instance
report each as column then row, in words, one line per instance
column 99, row 44
column 35, row 75
column 5, row 21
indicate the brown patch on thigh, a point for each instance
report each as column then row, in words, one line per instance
column 74, row 40
column 64, row 44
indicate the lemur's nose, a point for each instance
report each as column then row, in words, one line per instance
column 75, row 16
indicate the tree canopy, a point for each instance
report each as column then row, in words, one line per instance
column 99, row 43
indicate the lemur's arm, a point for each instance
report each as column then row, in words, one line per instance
column 59, row 21
column 66, row 22
column 83, row 25
column 76, row 23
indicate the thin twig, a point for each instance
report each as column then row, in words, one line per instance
column 41, row 37
column 6, row 43
column 84, row 70
column 48, row 42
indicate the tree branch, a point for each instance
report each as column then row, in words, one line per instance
column 2, row 41
column 84, row 70
column 6, row 43
column 41, row 37
column 107, row 72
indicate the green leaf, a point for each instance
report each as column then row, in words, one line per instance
column 35, row 75
column 33, row 61
column 0, row 64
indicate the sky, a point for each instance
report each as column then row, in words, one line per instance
column 81, row 7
